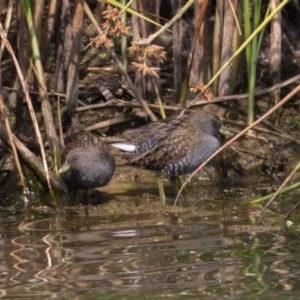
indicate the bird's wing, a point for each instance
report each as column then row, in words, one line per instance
column 171, row 150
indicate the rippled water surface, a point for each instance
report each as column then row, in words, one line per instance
column 214, row 246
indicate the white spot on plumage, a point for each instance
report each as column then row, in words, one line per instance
column 124, row 147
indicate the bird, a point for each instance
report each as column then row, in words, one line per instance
column 87, row 163
column 172, row 146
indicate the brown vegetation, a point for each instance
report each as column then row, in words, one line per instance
column 66, row 58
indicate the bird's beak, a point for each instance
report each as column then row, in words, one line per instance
column 64, row 168
column 225, row 132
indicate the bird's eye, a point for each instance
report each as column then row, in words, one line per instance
column 75, row 158
column 213, row 124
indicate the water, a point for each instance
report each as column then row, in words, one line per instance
column 215, row 246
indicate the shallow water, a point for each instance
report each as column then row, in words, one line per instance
column 214, row 246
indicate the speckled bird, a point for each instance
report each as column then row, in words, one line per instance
column 174, row 146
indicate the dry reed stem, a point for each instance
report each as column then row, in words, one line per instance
column 30, row 106
column 7, row 23
column 11, row 140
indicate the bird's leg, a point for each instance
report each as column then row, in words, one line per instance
column 177, row 183
column 73, row 196
column 161, row 188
